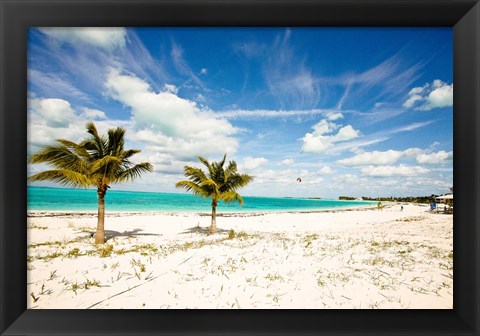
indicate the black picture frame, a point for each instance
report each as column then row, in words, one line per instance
column 17, row 16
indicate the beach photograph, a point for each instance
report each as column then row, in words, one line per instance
column 240, row 168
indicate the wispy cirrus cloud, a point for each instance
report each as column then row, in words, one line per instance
column 53, row 85
column 257, row 114
column 182, row 66
column 288, row 77
column 107, row 38
column 89, row 61
column 355, row 143
column 388, row 79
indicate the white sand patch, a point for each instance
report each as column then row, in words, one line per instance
column 341, row 259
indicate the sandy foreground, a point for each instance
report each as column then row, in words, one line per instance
column 340, row 259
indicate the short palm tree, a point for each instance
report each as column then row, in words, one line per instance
column 96, row 161
column 218, row 183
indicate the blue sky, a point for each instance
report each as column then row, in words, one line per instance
column 351, row 111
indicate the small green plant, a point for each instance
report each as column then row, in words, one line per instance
column 274, row 297
column 34, row 226
column 45, row 244
column 74, row 253
column 273, row 277
column 105, row 251
column 242, row 234
column 231, row 234
column 74, row 287
column 91, row 283
column 49, row 256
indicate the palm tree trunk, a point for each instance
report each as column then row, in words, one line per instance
column 213, row 226
column 100, row 234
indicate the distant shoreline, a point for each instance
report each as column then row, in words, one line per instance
column 116, row 213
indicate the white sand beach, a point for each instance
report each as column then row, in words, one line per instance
column 363, row 258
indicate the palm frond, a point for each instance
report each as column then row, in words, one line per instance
column 63, row 176
column 195, row 174
column 211, row 186
column 236, row 181
column 207, row 164
column 218, row 171
column 116, row 141
column 221, row 163
column 60, row 157
column 79, row 149
column 194, row 188
column 128, row 154
column 99, row 142
column 231, row 168
column 232, row 197
column 133, row 172
column 105, row 165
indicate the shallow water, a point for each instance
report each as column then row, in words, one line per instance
column 55, row 199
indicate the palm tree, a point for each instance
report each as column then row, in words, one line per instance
column 96, row 161
column 218, row 183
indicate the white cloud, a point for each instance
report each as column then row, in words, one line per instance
column 325, row 171
column 334, row 115
column 412, row 100
column 318, row 142
column 437, row 94
column 401, row 170
column 250, row 163
column 173, row 124
column 372, row 158
column 379, row 158
column 56, row 112
column 440, row 157
column 51, row 119
column 94, row 114
column 171, row 88
column 346, row 133
column 287, row 162
column 346, row 178
column 102, row 37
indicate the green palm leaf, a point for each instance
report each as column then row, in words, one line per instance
column 133, row 172
column 194, row 188
column 101, row 166
column 232, row 197
column 65, row 177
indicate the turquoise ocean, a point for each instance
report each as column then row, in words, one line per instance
column 69, row 199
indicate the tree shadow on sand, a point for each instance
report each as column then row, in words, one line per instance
column 109, row 234
column 202, row 230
